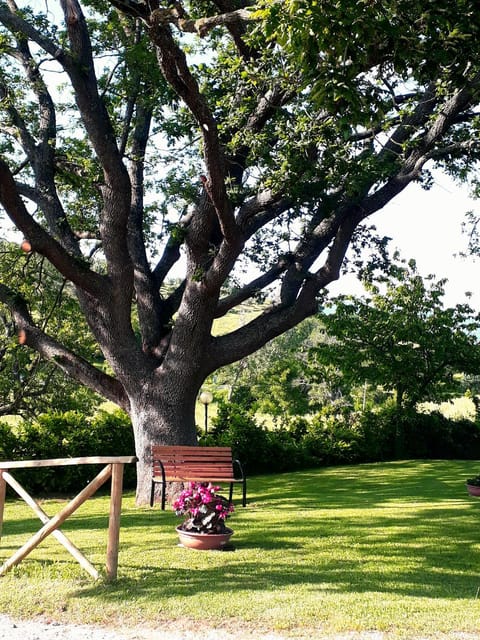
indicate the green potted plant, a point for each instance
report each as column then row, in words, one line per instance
column 473, row 486
column 204, row 512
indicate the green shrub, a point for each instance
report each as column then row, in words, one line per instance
column 68, row 435
column 298, row 428
column 379, row 435
column 339, row 435
column 397, row 434
column 236, row 428
column 243, row 397
column 423, row 435
column 286, row 452
column 333, row 437
column 336, row 435
column 7, row 441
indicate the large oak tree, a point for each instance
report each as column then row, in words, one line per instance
column 216, row 135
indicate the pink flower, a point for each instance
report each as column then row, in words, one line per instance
column 202, row 507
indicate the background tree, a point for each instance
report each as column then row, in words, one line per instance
column 224, row 134
column 273, row 380
column 401, row 337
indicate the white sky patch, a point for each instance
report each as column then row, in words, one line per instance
column 427, row 226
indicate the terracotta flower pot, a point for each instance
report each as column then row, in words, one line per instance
column 473, row 490
column 203, row 541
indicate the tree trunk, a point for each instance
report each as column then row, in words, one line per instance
column 161, row 414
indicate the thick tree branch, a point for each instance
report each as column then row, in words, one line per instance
column 176, row 15
column 30, row 390
column 311, row 247
column 70, row 363
column 450, row 111
column 330, row 271
column 249, row 290
column 284, row 316
column 147, row 293
column 456, row 149
column 300, row 287
column 273, row 322
column 169, row 257
column 203, row 26
column 237, row 29
column 70, row 267
column 19, row 129
column 16, row 24
column 425, row 106
column 424, row 148
column 117, row 189
column 42, row 155
column 260, row 210
column 298, row 284
column 173, row 64
column 80, row 67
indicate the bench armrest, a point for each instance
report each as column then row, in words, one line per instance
column 238, row 464
column 164, row 482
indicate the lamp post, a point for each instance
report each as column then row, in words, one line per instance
column 205, row 398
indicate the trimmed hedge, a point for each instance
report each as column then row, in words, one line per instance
column 333, row 436
column 341, row 436
column 67, row 435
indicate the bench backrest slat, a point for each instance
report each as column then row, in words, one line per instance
column 193, row 463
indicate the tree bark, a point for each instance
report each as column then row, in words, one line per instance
column 163, row 413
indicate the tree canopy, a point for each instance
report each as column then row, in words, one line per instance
column 232, row 142
column 274, row 380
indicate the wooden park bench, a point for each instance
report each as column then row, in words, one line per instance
column 195, row 464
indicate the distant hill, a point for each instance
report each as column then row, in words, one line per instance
column 237, row 317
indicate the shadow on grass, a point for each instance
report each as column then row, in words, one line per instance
column 404, row 528
column 369, row 484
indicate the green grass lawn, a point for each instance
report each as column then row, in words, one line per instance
column 391, row 547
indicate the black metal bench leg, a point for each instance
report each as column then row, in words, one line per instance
column 152, row 493
column 163, row 495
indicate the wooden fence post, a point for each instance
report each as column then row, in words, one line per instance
column 114, row 520
column 3, row 488
column 59, row 535
column 114, row 469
